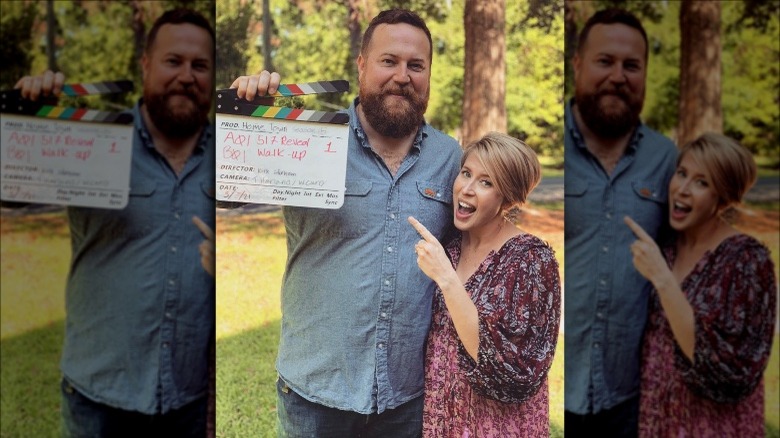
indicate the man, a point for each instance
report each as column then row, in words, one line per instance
column 139, row 304
column 615, row 166
column 356, row 308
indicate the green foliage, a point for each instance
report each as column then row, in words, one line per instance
column 750, row 72
column 311, row 42
column 94, row 41
column 96, row 49
column 17, row 45
column 534, row 85
column 232, row 24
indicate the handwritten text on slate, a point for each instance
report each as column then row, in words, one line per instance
column 64, row 162
column 282, row 162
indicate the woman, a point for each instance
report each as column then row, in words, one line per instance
column 497, row 307
column 710, row 328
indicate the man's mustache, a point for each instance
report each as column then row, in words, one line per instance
column 183, row 92
column 614, row 92
column 399, row 91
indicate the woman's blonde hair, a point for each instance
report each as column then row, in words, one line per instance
column 731, row 166
column 511, row 164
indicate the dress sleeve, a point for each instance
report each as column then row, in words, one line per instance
column 518, row 327
column 734, row 325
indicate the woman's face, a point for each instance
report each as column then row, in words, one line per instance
column 476, row 200
column 692, row 197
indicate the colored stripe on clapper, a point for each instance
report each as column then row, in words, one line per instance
column 11, row 101
column 107, row 87
column 229, row 103
column 340, row 86
column 300, row 115
column 83, row 115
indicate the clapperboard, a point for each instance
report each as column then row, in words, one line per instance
column 66, row 156
column 282, row 156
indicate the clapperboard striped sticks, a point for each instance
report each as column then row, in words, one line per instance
column 11, row 101
column 229, row 103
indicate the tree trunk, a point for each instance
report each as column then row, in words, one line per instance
column 355, row 36
column 484, row 85
column 139, row 36
column 700, row 70
column 267, row 61
column 51, row 31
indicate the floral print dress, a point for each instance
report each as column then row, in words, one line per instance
column 733, row 293
column 503, row 394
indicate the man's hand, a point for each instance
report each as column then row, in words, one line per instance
column 207, row 248
column 47, row 84
column 260, row 85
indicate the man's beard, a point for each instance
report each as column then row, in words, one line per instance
column 397, row 121
column 609, row 124
column 177, row 123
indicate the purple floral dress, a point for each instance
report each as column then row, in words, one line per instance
column 504, row 394
column 721, row 394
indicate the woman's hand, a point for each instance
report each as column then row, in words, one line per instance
column 431, row 258
column 207, row 248
column 648, row 259
column 433, row 261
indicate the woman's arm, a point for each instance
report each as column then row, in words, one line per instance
column 649, row 261
column 433, row 261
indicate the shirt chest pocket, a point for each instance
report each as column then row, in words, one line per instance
column 579, row 209
column 136, row 220
column 205, row 201
column 432, row 206
column 648, row 200
column 353, row 218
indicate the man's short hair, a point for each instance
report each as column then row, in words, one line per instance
column 612, row 16
column 395, row 16
column 179, row 16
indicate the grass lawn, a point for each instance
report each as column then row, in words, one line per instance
column 35, row 255
column 35, row 252
column 248, row 323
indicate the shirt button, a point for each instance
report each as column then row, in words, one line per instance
column 383, row 315
column 603, row 282
column 392, row 215
column 381, row 345
column 389, row 249
column 597, row 345
column 438, row 195
column 604, row 249
column 171, row 282
column 387, row 282
column 176, row 216
column 608, row 215
column 600, row 315
column 173, row 249
column 165, row 345
column 168, row 315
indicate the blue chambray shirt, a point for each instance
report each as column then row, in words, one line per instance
column 356, row 307
column 139, row 305
column 606, row 298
